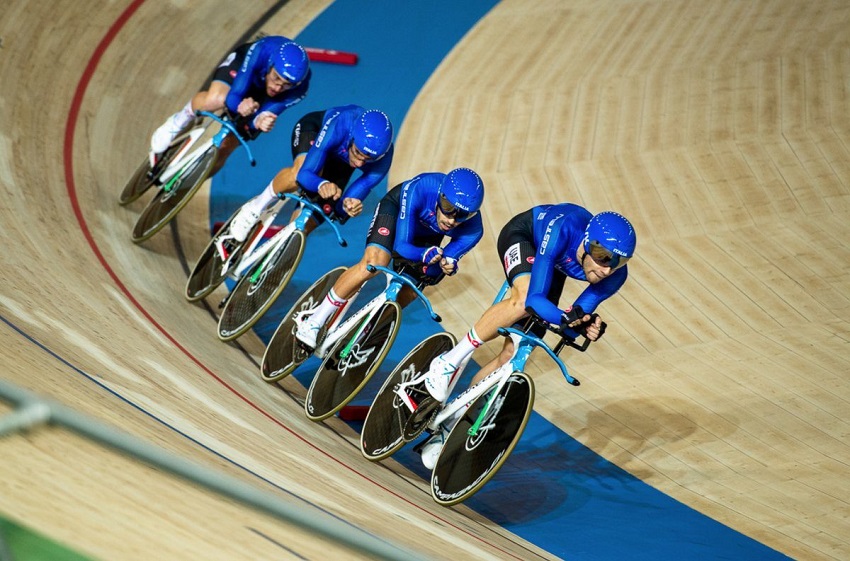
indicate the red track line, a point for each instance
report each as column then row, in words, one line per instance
column 68, row 157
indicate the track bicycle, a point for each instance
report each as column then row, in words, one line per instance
column 353, row 349
column 493, row 415
column 149, row 172
column 262, row 268
column 183, row 177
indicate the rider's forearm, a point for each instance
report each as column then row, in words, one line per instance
column 544, row 308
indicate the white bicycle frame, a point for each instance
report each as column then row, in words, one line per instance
column 181, row 160
column 495, row 379
column 253, row 253
column 257, row 250
column 338, row 327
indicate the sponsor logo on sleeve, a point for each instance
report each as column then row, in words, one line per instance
column 548, row 233
column 324, row 130
column 512, row 257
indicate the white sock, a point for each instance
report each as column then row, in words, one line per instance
column 259, row 203
column 464, row 348
column 328, row 307
column 182, row 118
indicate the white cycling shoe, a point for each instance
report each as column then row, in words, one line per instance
column 433, row 446
column 242, row 223
column 439, row 378
column 164, row 136
column 307, row 332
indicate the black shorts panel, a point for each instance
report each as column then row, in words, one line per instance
column 229, row 67
column 517, row 250
column 516, row 245
column 305, row 131
column 382, row 231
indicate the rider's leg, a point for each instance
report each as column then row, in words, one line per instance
column 348, row 284
column 227, row 147
column 445, row 368
column 505, row 313
column 405, row 296
column 504, row 356
column 352, row 279
column 249, row 214
column 211, row 100
column 285, row 180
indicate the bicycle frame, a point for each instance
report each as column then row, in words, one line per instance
column 254, row 253
column 337, row 328
column 524, row 344
column 180, row 159
column 179, row 163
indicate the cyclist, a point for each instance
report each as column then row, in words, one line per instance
column 327, row 146
column 411, row 222
column 539, row 249
column 255, row 83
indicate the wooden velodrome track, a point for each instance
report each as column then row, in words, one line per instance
column 722, row 129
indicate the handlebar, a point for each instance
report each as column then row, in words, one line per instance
column 418, row 271
column 537, row 342
column 404, row 279
column 228, row 125
column 320, row 210
column 560, row 330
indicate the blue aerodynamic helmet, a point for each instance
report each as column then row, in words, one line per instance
column 291, row 62
column 461, row 194
column 610, row 239
column 373, row 134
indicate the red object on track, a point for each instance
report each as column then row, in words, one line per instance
column 328, row 55
column 353, row 412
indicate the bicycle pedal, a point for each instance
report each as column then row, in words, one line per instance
column 304, row 347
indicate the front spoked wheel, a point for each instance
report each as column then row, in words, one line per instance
column 214, row 264
column 468, row 461
column 259, row 287
column 284, row 353
column 174, row 195
column 383, row 429
column 352, row 361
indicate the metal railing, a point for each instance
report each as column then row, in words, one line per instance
column 32, row 411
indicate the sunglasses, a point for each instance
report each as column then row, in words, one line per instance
column 451, row 211
column 359, row 154
column 605, row 257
